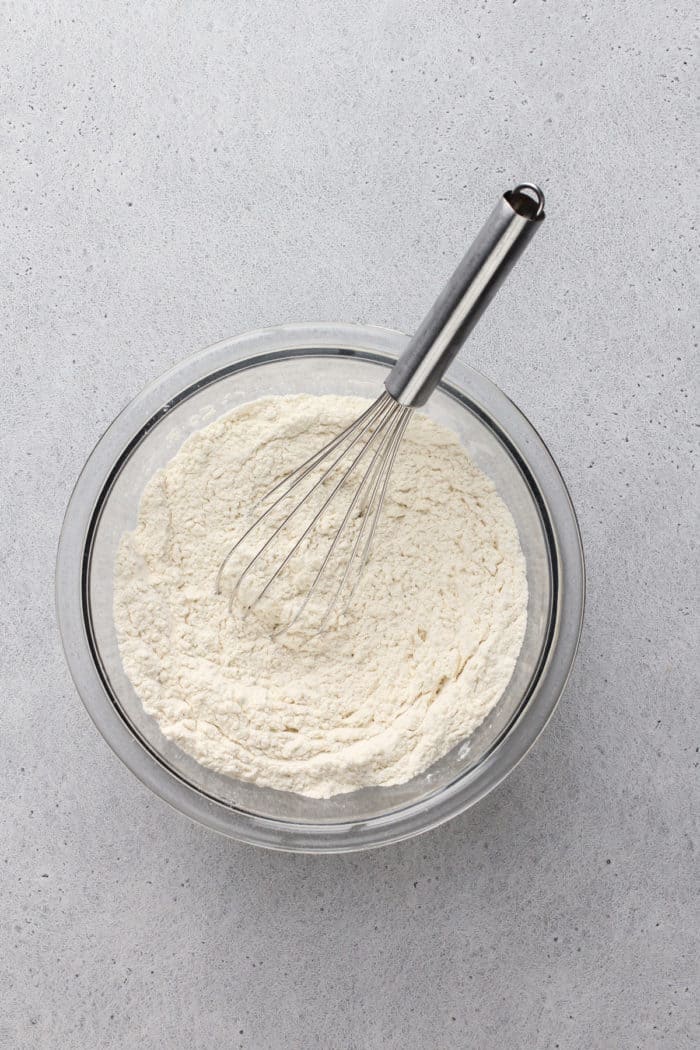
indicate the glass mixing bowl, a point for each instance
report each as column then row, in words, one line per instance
column 316, row 359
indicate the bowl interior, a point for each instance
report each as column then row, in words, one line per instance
column 315, row 371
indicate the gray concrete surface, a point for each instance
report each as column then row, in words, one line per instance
column 175, row 173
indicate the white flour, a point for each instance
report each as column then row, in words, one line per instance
column 425, row 651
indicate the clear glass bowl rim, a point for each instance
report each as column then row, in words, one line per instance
column 247, row 350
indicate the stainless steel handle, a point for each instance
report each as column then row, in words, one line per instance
column 503, row 238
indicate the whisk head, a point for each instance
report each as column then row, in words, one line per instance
column 329, row 507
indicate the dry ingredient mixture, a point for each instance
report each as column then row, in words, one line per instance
column 420, row 658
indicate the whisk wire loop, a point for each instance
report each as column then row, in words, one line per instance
column 376, row 434
column 374, row 412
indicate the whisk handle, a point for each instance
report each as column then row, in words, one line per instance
column 503, row 238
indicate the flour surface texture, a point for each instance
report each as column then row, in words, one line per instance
column 422, row 655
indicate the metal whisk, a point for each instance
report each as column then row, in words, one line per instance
column 363, row 454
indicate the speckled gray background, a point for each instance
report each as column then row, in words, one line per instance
column 174, row 173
